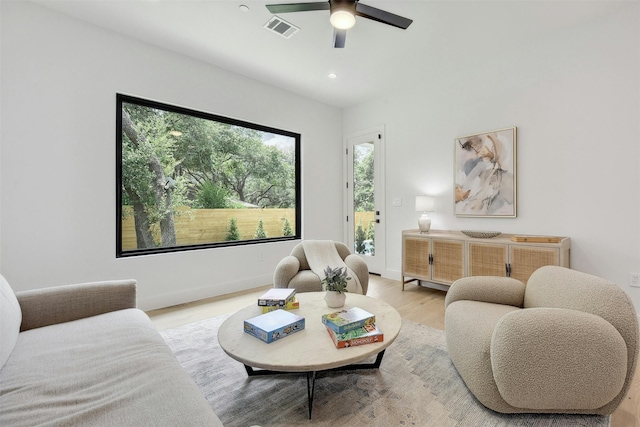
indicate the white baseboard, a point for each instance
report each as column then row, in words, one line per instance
column 392, row 274
column 190, row 295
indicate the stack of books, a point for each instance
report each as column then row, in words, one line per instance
column 272, row 326
column 278, row 298
column 352, row 327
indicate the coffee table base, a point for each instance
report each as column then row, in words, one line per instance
column 311, row 375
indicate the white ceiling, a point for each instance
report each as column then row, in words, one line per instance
column 377, row 59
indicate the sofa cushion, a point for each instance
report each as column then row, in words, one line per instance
column 10, row 319
column 111, row 369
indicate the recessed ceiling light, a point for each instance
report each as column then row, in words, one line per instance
column 333, row 76
column 244, row 8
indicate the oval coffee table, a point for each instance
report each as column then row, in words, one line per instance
column 310, row 350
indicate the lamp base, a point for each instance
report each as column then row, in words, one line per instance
column 424, row 223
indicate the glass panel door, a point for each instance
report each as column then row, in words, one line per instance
column 364, row 195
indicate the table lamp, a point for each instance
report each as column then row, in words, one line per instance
column 424, row 204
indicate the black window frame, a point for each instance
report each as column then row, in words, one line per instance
column 120, row 253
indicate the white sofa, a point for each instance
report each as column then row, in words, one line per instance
column 84, row 355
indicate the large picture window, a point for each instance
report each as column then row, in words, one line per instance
column 188, row 180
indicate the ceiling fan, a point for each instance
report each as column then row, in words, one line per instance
column 343, row 15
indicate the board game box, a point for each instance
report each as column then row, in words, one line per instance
column 274, row 325
column 347, row 320
column 277, row 296
column 291, row 305
column 368, row 334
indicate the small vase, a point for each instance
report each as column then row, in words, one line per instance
column 335, row 299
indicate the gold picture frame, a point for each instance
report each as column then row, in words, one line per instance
column 485, row 174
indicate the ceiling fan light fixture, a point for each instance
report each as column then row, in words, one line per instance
column 342, row 18
column 343, row 15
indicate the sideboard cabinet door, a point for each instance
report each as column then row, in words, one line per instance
column 447, row 258
column 523, row 260
column 487, row 259
column 415, row 257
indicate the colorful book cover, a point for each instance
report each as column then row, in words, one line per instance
column 347, row 320
column 368, row 334
column 274, row 325
column 291, row 305
column 277, row 296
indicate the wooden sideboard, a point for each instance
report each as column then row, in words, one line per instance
column 443, row 257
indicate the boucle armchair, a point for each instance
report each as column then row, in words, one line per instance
column 567, row 342
column 293, row 271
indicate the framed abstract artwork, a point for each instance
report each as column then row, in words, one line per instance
column 485, row 174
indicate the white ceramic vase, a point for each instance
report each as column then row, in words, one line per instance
column 335, row 299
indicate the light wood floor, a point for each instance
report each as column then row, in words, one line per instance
column 419, row 304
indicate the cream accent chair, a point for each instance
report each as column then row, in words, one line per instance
column 567, row 342
column 293, row 271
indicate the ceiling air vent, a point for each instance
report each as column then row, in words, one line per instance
column 282, row 27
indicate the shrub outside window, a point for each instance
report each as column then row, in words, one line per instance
column 187, row 179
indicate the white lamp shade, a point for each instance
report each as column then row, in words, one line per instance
column 425, row 204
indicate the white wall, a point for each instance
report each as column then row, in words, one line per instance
column 0, row 135
column 575, row 98
column 57, row 151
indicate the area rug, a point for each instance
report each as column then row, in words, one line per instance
column 416, row 385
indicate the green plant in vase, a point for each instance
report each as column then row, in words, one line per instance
column 335, row 279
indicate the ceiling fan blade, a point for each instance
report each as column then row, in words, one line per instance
column 339, row 37
column 382, row 16
column 297, row 7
